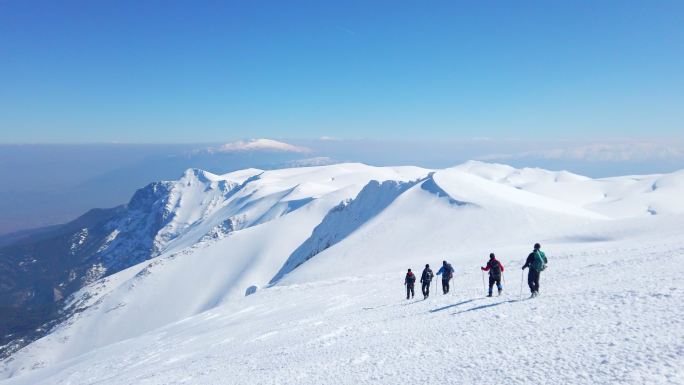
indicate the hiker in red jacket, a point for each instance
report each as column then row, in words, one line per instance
column 495, row 269
column 409, row 282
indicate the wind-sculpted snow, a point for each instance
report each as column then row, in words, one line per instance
column 344, row 219
column 430, row 185
column 324, row 281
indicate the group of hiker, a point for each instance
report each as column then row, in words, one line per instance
column 536, row 262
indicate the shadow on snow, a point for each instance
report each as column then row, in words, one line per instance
column 452, row 305
column 486, row 306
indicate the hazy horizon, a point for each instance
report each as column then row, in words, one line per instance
column 48, row 184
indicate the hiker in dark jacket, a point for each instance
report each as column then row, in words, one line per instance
column 425, row 279
column 409, row 281
column 536, row 261
column 447, row 272
column 495, row 269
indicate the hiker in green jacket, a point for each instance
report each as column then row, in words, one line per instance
column 536, row 261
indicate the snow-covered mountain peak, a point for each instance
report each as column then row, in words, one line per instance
column 202, row 176
column 258, row 145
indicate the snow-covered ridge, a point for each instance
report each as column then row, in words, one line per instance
column 216, row 237
column 344, row 219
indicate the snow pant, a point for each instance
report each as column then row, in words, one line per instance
column 533, row 280
column 409, row 291
column 445, row 285
column 492, row 281
column 426, row 288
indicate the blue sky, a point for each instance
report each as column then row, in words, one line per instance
column 167, row 71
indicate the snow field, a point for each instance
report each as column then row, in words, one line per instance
column 334, row 312
column 607, row 314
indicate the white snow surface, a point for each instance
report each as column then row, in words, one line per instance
column 327, row 248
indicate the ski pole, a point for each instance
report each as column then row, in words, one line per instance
column 483, row 283
column 522, row 277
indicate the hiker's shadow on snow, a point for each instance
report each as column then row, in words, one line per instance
column 450, row 306
column 412, row 302
column 485, row 306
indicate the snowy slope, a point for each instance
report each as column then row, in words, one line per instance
column 217, row 243
column 334, row 242
column 617, row 197
column 450, row 215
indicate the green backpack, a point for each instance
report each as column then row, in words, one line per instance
column 540, row 261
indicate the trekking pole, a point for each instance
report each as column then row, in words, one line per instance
column 483, row 283
column 522, row 277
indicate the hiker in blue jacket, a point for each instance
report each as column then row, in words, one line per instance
column 447, row 272
column 536, row 261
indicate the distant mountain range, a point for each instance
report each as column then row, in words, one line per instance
column 112, row 179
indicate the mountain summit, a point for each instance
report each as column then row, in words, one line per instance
column 258, row 145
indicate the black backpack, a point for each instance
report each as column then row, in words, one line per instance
column 494, row 268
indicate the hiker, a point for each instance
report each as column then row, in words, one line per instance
column 425, row 279
column 495, row 269
column 536, row 261
column 409, row 281
column 447, row 272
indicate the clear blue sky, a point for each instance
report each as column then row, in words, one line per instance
column 166, row 71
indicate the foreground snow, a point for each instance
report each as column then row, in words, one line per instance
column 610, row 309
column 609, row 313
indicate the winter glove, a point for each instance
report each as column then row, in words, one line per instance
column 524, row 267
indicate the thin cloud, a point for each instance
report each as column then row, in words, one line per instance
column 328, row 139
column 347, row 31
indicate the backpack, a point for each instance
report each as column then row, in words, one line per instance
column 450, row 270
column 539, row 263
column 495, row 268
